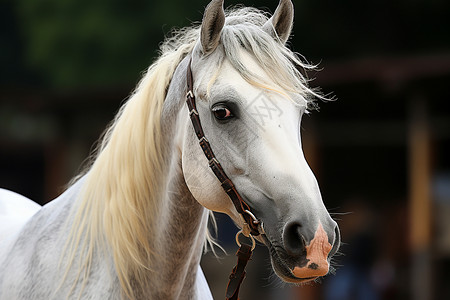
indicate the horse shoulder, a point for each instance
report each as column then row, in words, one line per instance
column 28, row 253
column 15, row 211
column 30, row 259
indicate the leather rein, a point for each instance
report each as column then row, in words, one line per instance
column 252, row 226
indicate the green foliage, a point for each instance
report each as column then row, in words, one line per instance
column 74, row 43
column 92, row 43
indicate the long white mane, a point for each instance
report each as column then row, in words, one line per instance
column 124, row 183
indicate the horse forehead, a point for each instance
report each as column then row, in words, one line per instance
column 221, row 81
column 260, row 107
column 267, row 104
column 227, row 79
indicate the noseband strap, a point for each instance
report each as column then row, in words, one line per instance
column 243, row 208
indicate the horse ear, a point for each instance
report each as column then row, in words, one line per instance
column 212, row 24
column 280, row 24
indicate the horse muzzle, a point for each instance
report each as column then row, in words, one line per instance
column 296, row 260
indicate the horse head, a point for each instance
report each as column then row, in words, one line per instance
column 251, row 99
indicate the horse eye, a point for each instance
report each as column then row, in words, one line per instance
column 222, row 113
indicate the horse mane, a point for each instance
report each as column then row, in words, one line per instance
column 123, row 183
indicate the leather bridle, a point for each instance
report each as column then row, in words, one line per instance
column 252, row 226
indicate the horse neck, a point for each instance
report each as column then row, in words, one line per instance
column 183, row 221
column 179, row 242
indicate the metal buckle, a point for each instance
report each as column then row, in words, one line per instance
column 256, row 221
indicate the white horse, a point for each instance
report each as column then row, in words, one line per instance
column 135, row 223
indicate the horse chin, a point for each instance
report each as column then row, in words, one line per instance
column 288, row 277
column 286, row 274
column 281, row 268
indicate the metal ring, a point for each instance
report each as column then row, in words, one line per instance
column 250, row 236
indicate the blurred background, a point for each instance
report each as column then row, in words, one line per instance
column 381, row 152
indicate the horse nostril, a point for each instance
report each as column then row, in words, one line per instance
column 294, row 242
